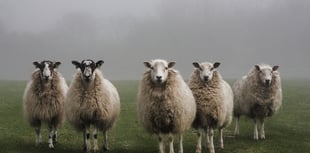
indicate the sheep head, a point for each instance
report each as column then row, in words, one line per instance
column 206, row 70
column 265, row 73
column 46, row 69
column 159, row 70
column 87, row 68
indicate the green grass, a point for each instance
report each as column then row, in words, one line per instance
column 287, row 132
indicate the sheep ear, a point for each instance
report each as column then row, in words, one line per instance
column 257, row 67
column 171, row 64
column 76, row 63
column 147, row 64
column 56, row 65
column 275, row 68
column 196, row 65
column 36, row 64
column 99, row 63
column 216, row 65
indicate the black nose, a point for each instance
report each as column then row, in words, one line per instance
column 87, row 78
column 267, row 82
column 46, row 77
column 158, row 77
column 206, row 78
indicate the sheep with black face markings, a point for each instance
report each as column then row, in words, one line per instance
column 44, row 98
column 214, row 99
column 92, row 101
column 257, row 95
column 165, row 103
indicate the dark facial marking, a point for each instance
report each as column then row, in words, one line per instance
column 87, row 63
column 41, row 65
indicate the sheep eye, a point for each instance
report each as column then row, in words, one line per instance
column 212, row 68
column 93, row 66
column 152, row 68
column 166, row 68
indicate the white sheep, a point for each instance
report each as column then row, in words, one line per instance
column 257, row 95
column 92, row 101
column 165, row 103
column 44, row 98
column 214, row 99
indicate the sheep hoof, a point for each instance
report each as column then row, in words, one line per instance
column 38, row 142
column 96, row 150
column 198, row 150
column 51, row 146
column 84, row 148
column 262, row 137
column 54, row 140
column 105, row 148
column 255, row 138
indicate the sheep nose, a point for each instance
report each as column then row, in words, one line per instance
column 267, row 82
column 158, row 77
column 206, row 78
column 87, row 78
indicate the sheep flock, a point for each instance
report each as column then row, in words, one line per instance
column 167, row 106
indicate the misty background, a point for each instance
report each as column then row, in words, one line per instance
column 124, row 33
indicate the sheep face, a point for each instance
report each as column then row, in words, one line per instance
column 87, row 68
column 46, row 69
column 265, row 73
column 206, row 70
column 159, row 70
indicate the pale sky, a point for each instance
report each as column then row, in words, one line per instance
column 124, row 33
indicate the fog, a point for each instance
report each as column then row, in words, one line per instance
column 124, row 33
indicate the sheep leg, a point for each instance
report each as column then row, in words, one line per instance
column 161, row 143
column 255, row 130
column 87, row 139
column 105, row 139
column 55, row 136
column 84, row 140
column 262, row 130
column 237, row 125
column 181, row 143
column 207, row 137
column 221, row 138
column 198, row 147
column 211, row 145
column 38, row 135
column 171, row 149
column 95, row 140
column 50, row 136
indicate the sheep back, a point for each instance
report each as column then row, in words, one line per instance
column 98, row 105
column 168, row 108
column 45, row 102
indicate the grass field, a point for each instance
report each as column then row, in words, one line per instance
column 287, row 132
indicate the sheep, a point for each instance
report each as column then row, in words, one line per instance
column 44, row 98
column 257, row 95
column 214, row 99
column 92, row 100
column 165, row 105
